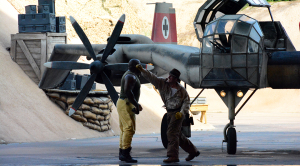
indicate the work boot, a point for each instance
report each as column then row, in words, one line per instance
column 127, row 157
column 121, row 157
column 192, row 156
column 171, row 160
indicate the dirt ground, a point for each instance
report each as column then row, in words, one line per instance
column 27, row 115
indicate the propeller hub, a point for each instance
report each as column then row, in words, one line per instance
column 96, row 67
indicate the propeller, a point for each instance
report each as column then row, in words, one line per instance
column 96, row 67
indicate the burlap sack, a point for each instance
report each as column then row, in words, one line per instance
column 107, row 117
column 105, row 99
column 97, row 111
column 63, row 98
column 53, row 95
column 79, row 112
column 103, row 106
column 105, row 122
column 105, row 112
column 71, row 99
column 88, row 100
column 61, row 104
column 96, row 122
column 79, row 118
column 100, row 118
column 89, row 115
column 92, row 126
column 97, row 100
column 104, row 128
column 84, row 107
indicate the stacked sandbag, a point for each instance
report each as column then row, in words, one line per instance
column 94, row 113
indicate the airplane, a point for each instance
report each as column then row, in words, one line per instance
column 237, row 53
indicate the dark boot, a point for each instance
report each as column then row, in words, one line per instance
column 127, row 157
column 121, row 157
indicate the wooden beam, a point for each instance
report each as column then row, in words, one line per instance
column 30, row 58
column 13, row 49
column 43, row 56
column 28, row 36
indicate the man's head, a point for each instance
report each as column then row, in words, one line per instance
column 174, row 75
column 132, row 63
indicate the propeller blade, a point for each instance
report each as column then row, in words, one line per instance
column 110, row 88
column 82, row 95
column 66, row 65
column 83, row 38
column 113, row 38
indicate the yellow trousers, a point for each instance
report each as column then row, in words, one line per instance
column 126, row 121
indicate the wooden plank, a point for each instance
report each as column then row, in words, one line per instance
column 36, row 57
column 30, row 58
column 13, row 49
column 31, row 50
column 43, row 56
column 33, row 43
column 28, row 36
column 50, row 34
column 22, row 61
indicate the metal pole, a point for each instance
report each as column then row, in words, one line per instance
column 197, row 96
column 245, row 102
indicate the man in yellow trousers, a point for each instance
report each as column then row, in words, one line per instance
column 128, row 106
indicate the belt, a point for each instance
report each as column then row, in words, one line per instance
column 122, row 98
column 173, row 110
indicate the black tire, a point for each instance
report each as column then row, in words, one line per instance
column 231, row 141
column 163, row 131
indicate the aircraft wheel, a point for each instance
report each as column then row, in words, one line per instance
column 163, row 131
column 231, row 141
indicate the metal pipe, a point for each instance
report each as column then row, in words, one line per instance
column 197, row 96
column 231, row 104
column 245, row 102
column 270, row 13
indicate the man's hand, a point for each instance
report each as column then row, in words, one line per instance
column 139, row 67
column 178, row 115
column 140, row 107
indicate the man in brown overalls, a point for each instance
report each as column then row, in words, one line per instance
column 177, row 103
column 127, row 107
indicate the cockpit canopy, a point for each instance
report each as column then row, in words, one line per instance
column 231, row 33
column 231, row 54
column 213, row 9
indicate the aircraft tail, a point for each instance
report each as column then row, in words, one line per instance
column 164, row 24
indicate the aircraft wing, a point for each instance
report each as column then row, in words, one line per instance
column 64, row 52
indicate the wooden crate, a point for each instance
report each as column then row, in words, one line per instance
column 31, row 50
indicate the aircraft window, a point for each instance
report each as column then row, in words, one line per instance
column 252, row 60
column 207, row 45
column 219, row 47
column 200, row 16
column 254, row 35
column 247, row 19
column 225, row 26
column 252, row 46
column 239, row 60
column 222, row 61
column 199, row 30
column 210, row 28
column 242, row 28
column 207, row 6
column 239, row 44
column 207, row 61
column 219, row 14
column 208, row 16
column 258, row 29
column 231, row 17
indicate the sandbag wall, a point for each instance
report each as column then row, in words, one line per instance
column 94, row 113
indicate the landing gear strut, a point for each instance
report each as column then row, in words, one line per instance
column 231, row 98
